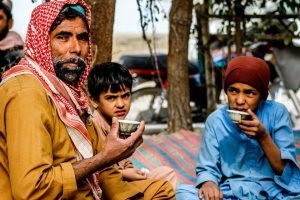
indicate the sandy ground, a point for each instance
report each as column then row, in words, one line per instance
column 124, row 44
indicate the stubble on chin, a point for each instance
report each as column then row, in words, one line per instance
column 69, row 74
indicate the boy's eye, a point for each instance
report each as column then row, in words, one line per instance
column 250, row 93
column 232, row 90
column 126, row 96
column 110, row 98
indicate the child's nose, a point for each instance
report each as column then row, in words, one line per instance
column 120, row 102
column 240, row 99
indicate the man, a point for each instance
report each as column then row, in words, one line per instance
column 252, row 159
column 49, row 148
column 11, row 44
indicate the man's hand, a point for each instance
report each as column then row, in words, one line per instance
column 253, row 128
column 133, row 174
column 210, row 190
column 117, row 148
column 114, row 149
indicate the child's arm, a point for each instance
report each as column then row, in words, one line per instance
column 130, row 172
column 255, row 129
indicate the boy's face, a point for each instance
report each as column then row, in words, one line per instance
column 114, row 104
column 242, row 97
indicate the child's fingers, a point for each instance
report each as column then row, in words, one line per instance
column 200, row 193
column 252, row 114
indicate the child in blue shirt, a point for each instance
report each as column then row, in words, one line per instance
column 252, row 159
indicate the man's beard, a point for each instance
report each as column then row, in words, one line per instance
column 69, row 74
column 4, row 32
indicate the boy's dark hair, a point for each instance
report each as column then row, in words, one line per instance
column 109, row 75
column 68, row 13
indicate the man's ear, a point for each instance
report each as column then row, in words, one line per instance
column 10, row 23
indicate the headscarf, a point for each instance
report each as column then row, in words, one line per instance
column 37, row 43
column 70, row 101
column 249, row 70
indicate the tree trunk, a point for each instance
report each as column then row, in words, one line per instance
column 238, row 30
column 179, row 111
column 103, row 12
column 208, row 63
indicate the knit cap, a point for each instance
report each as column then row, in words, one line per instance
column 249, row 70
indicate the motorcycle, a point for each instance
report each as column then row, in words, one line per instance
column 149, row 91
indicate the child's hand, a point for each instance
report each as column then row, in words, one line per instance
column 210, row 190
column 145, row 170
column 133, row 174
column 253, row 128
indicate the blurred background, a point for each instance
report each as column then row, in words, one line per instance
column 194, row 53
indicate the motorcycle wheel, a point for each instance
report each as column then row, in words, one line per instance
column 149, row 105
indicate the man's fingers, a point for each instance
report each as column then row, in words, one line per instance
column 139, row 132
column 141, row 127
column 114, row 127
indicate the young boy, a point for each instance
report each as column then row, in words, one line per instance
column 255, row 158
column 109, row 85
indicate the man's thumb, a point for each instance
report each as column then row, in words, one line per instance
column 114, row 126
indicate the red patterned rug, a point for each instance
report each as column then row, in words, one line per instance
column 179, row 151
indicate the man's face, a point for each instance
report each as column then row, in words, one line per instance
column 69, row 46
column 242, row 97
column 114, row 104
column 4, row 24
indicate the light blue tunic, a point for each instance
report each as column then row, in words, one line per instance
column 238, row 164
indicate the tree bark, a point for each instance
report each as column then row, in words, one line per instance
column 103, row 13
column 208, row 63
column 179, row 111
column 238, row 31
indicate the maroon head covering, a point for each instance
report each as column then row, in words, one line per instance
column 249, row 70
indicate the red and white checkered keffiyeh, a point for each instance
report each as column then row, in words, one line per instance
column 70, row 101
column 37, row 44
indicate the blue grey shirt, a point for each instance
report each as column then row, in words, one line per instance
column 238, row 164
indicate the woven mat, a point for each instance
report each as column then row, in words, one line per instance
column 179, row 151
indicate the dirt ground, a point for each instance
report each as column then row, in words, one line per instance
column 134, row 44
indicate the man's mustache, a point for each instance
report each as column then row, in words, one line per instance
column 75, row 60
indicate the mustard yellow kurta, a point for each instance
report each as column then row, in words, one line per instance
column 36, row 152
